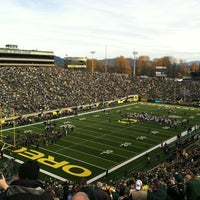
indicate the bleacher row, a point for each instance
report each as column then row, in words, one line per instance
column 27, row 90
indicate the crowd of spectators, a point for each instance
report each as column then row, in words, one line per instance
column 29, row 90
column 50, row 135
column 36, row 89
column 147, row 117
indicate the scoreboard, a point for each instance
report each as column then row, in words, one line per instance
column 161, row 71
column 76, row 62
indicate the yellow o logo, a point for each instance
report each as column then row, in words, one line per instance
column 126, row 121
column 83, row 171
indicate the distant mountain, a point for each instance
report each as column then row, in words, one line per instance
column 110, row 61
column 190, row 63
column 59, row 61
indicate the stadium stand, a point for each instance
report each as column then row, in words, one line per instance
column 31, row 89
column 27, row 90
column 11, row 56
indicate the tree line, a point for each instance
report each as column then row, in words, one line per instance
column 144, row 66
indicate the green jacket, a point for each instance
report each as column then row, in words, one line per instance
column 157, row 195
column 193, row 189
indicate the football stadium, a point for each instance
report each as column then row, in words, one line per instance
column 99, row 127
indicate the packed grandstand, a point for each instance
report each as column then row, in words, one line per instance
column 29, row 92
column 30, row 89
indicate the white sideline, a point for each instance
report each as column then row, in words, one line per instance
column 169, row 141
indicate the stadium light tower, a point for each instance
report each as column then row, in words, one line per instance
column 92, row 52
column 134, row 64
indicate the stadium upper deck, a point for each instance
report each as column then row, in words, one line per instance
column 10, row 55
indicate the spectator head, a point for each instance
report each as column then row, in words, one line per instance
column 138, row 185
column 99, row 185
column 178, row 177
column 83, row 181
column 195, row 172
column 29, row 170
column 80, row 196
column 188, row 177
column 156, row 184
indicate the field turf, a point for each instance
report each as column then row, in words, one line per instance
column 103, row 139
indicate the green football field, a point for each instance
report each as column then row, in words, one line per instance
column 105, row 139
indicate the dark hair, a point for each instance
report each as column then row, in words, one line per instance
column 29, row 170
column 83, row 181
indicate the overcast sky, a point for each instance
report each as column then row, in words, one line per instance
column 111, row 28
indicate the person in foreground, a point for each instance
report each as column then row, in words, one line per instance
column 27, row 186
column 80, row 196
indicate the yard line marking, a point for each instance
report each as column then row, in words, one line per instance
column 70, row 157
column 82, row 143
column 90, row 154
